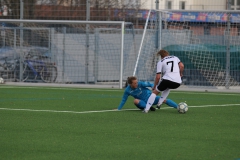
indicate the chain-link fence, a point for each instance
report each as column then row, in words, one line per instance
column 126, row 10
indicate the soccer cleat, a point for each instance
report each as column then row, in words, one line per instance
column 158, row 107
column 145, row 111
column 152, row 109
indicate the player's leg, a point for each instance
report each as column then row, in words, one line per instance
column 156, row 102
column 142, row 104
column 150, row 101
column 165, row 87
column 139, row 104
column 169, row 102
column 164, row 96
column 162, row 86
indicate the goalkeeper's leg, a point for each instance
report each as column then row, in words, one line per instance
column 142, row 104
column 168, row 102
column 171, row 103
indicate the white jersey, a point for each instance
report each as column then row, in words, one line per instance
column 169, row 69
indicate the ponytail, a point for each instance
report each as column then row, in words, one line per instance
column 126, row 84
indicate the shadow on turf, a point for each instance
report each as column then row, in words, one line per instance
column 164, row 109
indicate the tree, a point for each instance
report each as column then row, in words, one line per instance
column 15, row 6
column 120, row 5
column 101, row 9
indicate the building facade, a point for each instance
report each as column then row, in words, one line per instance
column 191, row 4
column 151, row 4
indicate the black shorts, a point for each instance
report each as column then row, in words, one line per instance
column 164, row 84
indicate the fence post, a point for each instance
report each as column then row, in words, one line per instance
column 87, row 40
column 21, row 39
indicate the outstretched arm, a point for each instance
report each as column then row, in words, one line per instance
column 124, row 99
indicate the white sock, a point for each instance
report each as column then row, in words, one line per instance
column 150, row 101
column 164, row 96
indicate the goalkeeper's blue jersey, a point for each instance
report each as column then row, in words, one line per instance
column 141, row 92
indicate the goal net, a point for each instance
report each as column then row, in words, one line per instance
column 87, row 52
column 208, row 43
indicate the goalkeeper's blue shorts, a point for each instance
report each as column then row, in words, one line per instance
column 140, row 106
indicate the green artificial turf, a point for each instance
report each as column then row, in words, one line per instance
column 65, row 123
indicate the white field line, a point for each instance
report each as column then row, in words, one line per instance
column 55, row 111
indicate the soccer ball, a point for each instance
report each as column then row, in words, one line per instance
column 182, row 107
column 1, row 80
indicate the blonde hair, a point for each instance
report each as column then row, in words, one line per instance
column 163, row 53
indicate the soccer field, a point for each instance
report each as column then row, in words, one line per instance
column 68, row 123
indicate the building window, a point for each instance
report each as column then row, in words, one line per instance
column 238, row 2
column 235, row 4
column 182, row 5
column 169, row 4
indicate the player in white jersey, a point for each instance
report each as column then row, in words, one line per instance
column 171, row 70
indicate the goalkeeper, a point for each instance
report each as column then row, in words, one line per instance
column 141, row 93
